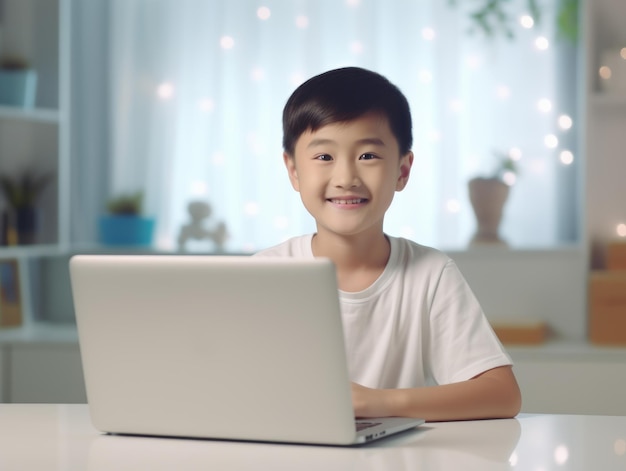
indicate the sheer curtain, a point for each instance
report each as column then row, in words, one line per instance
column 198, row 86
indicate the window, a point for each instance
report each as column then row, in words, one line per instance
column 198, row 88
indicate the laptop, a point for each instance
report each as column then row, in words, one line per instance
column 220, row 347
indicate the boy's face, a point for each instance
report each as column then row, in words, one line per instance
column 347, row 174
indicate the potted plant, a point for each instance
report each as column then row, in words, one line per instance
column 124, row 224
column 488, row 196
column 18, row 82
column 494, row 17
column 21, row 194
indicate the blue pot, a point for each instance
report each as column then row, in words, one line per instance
column 126, row 230
column 18, row 88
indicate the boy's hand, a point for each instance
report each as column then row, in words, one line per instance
column 368, row 402
column 489, row 395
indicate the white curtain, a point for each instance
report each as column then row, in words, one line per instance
column 198, row 88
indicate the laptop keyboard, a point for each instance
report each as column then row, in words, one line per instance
column 363, row 425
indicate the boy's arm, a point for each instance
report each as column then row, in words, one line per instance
column 492, row 394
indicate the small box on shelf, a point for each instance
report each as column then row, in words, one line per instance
column 524, row 331
column 607, row 307
column 616, row 256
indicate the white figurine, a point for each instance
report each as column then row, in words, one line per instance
column 199, row 211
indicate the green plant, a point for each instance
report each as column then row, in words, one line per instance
column 24, row 190
column 13, row 63
column 126, row 204
column 505, row 164
column 493, row 18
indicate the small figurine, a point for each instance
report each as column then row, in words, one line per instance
column 199, row 211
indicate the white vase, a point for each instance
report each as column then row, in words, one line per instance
column 488, row 196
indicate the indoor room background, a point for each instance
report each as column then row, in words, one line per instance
column 181, row 102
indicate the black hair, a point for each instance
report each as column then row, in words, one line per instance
column 342, row 95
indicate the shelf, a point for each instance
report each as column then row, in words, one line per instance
column 34, row 115
column 564, row 350
column 39, row 333
column 608, row 100
column 27, row 251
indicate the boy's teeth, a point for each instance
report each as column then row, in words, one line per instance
column 353, row 201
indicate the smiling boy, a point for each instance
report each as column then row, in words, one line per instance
column 418, row 343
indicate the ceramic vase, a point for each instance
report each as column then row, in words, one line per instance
column 488, row 197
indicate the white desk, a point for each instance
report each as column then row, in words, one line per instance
column 60, row 437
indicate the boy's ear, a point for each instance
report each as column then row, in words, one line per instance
column 406, row 161
column 290, row 163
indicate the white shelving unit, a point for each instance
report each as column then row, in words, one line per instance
column 37, row 139
column 605, row 127
column 38, row 363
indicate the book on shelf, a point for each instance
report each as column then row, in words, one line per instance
column 10, row 299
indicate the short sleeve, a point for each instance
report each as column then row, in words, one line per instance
column 461, row 342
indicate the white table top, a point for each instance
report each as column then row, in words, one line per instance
column 60, row 437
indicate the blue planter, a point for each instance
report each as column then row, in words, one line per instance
column 18, row 88
column 126, row 230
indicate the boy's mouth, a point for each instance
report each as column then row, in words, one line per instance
column 347, row 201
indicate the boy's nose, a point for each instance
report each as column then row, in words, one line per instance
column 346, row 175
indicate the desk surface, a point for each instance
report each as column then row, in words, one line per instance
column 60, row 437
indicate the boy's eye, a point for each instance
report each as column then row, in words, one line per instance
column 368, row 157
column 324, row 157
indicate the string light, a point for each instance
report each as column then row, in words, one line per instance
column 425, row 76
column 542, row 43
column 257, row 74
column 605, row 72
column 296, row 78
column 302, row 21
column 565, row 122
column 566, row 157
column 527, row 21
column 456, row 106
column 263, row 13
column 473, row 61
column 227, row 42
column 165, row 91
column 544, row 105
column 621, row 230
column 251, row 208
column 281, row 222
column 207, row 105
column 199, row 188
column 453, row 205
column 218, row 159
column 515, row 153
column 551, row 141
column 503, row 92
column 428, row 34
column 509, row 178
column 356, row 47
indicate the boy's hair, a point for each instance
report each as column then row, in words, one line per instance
column 342, row 95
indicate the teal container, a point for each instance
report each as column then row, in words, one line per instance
column 126, row 230
column 18, row 88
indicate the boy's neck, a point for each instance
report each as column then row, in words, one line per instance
column 359, row 260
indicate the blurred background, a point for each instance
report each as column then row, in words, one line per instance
column 154, row 126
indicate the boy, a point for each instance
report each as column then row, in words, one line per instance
column 418, row 343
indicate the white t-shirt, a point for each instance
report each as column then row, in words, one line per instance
column 418, row 324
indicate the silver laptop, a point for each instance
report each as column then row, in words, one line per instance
column 223, row 347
